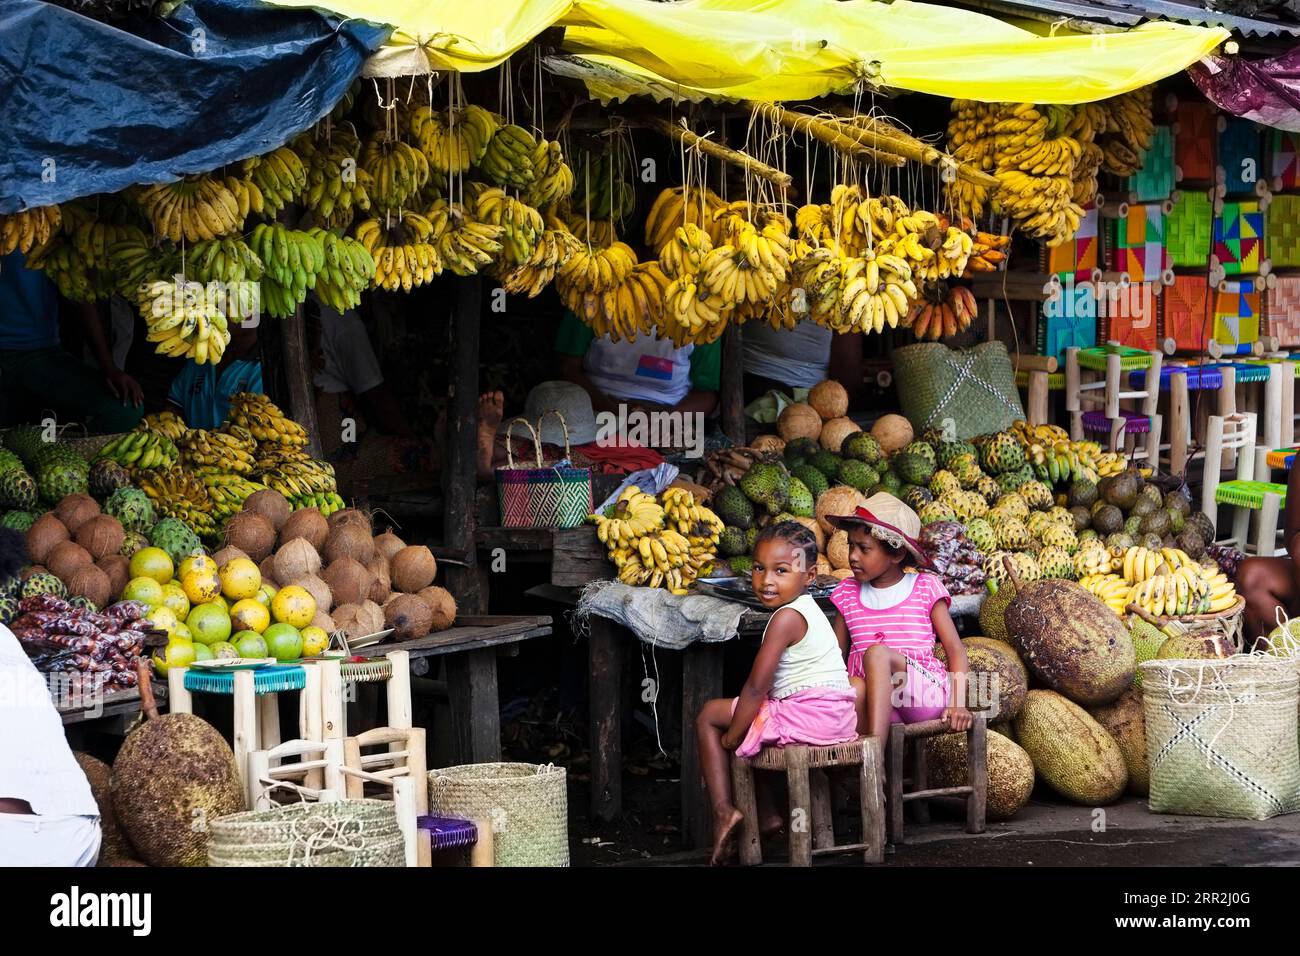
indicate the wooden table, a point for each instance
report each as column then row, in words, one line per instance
column 471, row 651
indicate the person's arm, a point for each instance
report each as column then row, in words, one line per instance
column 697, row 400
column 845, row 364
column 122, row 386
column 787, row 627
column 955, row 715
column 841, row 635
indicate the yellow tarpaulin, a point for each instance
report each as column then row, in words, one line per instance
column 785, row 49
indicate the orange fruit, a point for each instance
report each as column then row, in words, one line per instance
column 201, row 585
column 240, row 579
column 210, row 623
column 293, row 605
column 249, row 615
column 152, row 563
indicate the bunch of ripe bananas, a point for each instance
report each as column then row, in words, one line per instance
column 1088, row 121
column 552, row 176
column 876, row 291
column 73, row 274
column 601, row 192
column 647, row 550
column 970, row 141
column 690, row 313
column 166, row 423
column 227, row 492
column 465, row 245
column 92, row 240
column 292, row 259
column 269, row 456
column 1065, row 460
column 263, row 418
column 325, row 502
column 945, row 318
column 183, row 324
column 987, row 252
column 396, row 169
column 509, row 159
column 1137, row 564
column 179, row 494
column 612, row 292
column 681, row 206
column 141, row 449
column 1036, row 171
column 521, row 225
column 554, row 248
column 31, row 227
column 280, row 176
column 298, row 478
column 402, row 252
column 934, row 249
column 751, row 266
column 224, row 260
column 452, row 140
column 596, row 233
column 193, row 208
column 336, row 185
column 1129, row 130
column 694, row 520
column 216, row 451
column 1171, row 584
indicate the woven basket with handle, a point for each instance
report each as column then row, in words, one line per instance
column 344, row 833
column 545, row 496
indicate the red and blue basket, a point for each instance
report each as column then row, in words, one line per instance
column 544, row 496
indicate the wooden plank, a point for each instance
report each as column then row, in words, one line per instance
column 457, row 639
column 116, row 704
column 475, row 713
column 578, row 557
column 733, row 385
column 605, row 654
column 515, row 539
column 701, row 683
column 796, row 775
column 1012, row 286
column 459, row 479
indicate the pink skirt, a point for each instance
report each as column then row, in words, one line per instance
column 818, row 716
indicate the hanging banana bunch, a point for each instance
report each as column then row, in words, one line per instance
column 31, row 227
column 401, row 252
column 452, row 140
column 554, row 248
column 521, row 225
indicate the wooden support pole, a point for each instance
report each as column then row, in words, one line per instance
column 827, row 133
column 725, row 153
column 459, row 478
column 475, row 711
column 877, row 134
column 605, row 678
column 733, row 384
column 701, row 682
column 298, row 377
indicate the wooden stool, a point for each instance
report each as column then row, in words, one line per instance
column 1178, row 381
column 1038, row 376
column 805, row 766
column 1244, row 493
column 266, row 773
column 1094, row 389
column 401, row 769
column 447, row 835
column 975, row 791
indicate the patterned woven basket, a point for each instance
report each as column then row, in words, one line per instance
column 546, row 496
column 1221, row 736
column 973, row 389
column 345, row 833
column 526, row 806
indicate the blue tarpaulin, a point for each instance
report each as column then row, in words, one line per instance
column 89, row 108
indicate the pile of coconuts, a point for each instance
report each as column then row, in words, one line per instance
column 362, row 582
column 80, row 545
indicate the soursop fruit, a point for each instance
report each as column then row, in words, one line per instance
column 856, row 474
column 132, row 507
column 731, row 505
column 813, row 479
column 732, row 542
column 176, row 538
column 767, row 484
column 59, row 479
column 25, row 441
column 17, row 489
column 863, row 447
column 18, row 520
column 801, row 502
column 43, row 582
column 105, row 477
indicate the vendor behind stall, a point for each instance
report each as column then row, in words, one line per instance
column 785, row 359
column 202, row 393
column 36, row 373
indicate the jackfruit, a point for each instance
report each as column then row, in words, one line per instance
column 1076, row 756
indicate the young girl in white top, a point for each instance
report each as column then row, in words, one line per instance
column 798, row 690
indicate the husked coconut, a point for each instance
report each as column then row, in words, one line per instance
column 252, row 533
column 829, row 399
column 295, row 560
column 324, row 622
column 348, row 579
column 351, row 516
column 271, row 505
column 388, row 544
column 67, row 557
column 771, row 444
column 317, row 589
column 228, row 554
column 45, row 532
column 823, row 566
column 441, row 605
column 101, row 535
column 413, row 568
column 892, row 431
column 75, row 510
column 839, row 501
column 835, row 431
column 267, row 568
column 308, row 524
column 408, row 616
column 349, row 541
column 812, row 525
column 92, row 584
column 359, row 620
column 798, row 421
column 118, row 569
column 381, row 582
column 837, row 550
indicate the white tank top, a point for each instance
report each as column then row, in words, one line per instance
column 813, row 662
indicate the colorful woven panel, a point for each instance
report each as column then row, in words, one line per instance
column 1188, row 229
column 1068, row 319
column 1140, row 242
column 1185, row 307
column 1134, row 422
column 1284, row 159
column 1237, row 312
column 1284, row 310
column 1239, row 156
column 1282, row 458
column 1081, row 256
column 1155, row 180
column 1194, row 143
column 1282, row 231
column 1238, row 235
column 1130, row 316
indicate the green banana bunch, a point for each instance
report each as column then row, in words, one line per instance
column 327, row 503
column 347, row 273
column 508, row 159
column 280, row 175
column 135, row 259
column 337, row 187
column 292, row 259
column 228, row 493
column 600, row 191
column 223, row 260
column 141, row 450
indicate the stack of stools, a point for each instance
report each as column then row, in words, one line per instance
column 1038, row 376
column 1094, row 379
column 1244, row 493
column 1178, row 381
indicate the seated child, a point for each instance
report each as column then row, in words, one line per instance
column 798, row 690
column 888, row 622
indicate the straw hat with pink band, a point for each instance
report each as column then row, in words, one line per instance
column 890, row 521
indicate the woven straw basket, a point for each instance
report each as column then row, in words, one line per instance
column 1221, row 736
column 344, row 833
column 526, row 806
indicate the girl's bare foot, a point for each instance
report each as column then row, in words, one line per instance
column 491, row 406
column 771, row 825
column 724, row 828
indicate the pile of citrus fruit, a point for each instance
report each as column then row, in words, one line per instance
column 209, row 611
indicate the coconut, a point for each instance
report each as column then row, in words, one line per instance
column 388, row 544
column 228, row 554
column 267, row 567
column 409, row 616
column 351, row 516
column 799, row 421
column 359, row 620
column 812, row 525
column 413, row 568
column 76, row 510
column 829, row 399
column 837, row 550
column 823, row 566
column 91, row 583
column 32, row 569
column 118, row 569
column 835, row 431
column 841, row 573
column 45, row 532
column 252, row 533
column 101, row 535
column 308, row 524
column 348, row 579
column 295, row 560
column 441, row 605
column 324, row 622
column 66, row 558
column 892, row 431
column 271, row 505
column 839, row 501
column 349, row 541
column 317, row 589
column 381, row 583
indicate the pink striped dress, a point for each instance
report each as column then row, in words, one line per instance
column 905, row 627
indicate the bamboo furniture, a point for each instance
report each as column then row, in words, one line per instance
column 902, row 771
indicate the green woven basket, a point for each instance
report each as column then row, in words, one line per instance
column 1248, row 494
column 963, row 392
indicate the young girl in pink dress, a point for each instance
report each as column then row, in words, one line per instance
column 798, row 690
column 888, row 623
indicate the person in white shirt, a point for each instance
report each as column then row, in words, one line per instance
column 48, row 814
column 783, row 359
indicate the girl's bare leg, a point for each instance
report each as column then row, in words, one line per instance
column 860, row 703
column 715, row 764
column 881, row 664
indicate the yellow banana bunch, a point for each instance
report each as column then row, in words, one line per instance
column 509, row 159
column 634, row 306
column 875, row 291
column 337, row 187
column 31, row 227
column 193, row 208
column 217, row 451
column 166, row 423
column 521, row 225
column 278, row 177
column 1093, row 559
column 1111, row 589
column 554, row 248
column 465, row 245
column 682, row 207
column 553, row 177
column 971, row 141
column 263, row 418
column 1038, row 434
column 684, row 253
column 183, row 321
column 597, row 270
column 74, row 276
column 295, row 479
column 452, row 140
column 402, row 252
column 178, row 494
column 1183, row 591
column 397, row 170
column 634, row 515
column 751, row 267
column 1130, row 129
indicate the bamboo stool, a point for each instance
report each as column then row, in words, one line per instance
column 1038, row 376
column 1179, row 381
column 266, row 773
column 1244, row 494
column 805, row 768
column 393, row 670
column 1094, row 383
column 401, row 769
column 975, row 790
